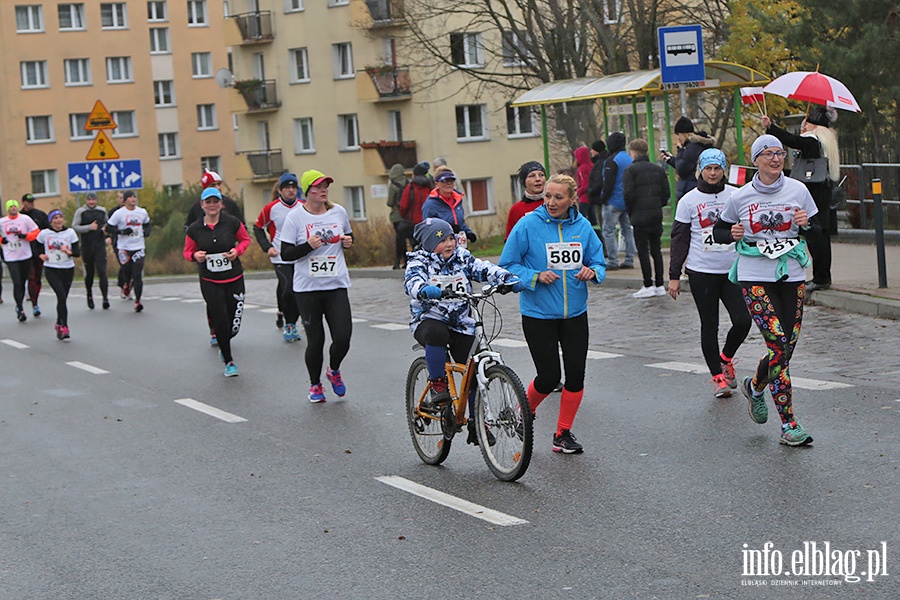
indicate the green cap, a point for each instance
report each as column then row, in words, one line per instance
column 311, row 178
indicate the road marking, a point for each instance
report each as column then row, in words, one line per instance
column 210, row 410
column 797, row 382
column 170, row 298
column 463, row 506
column 596, row 354
column 249, row 306
column 271, row 311
column 15, row 344
column 355, row 320
column 193, row 300
column 390, row 326
column 509, row 343
column 87, row 367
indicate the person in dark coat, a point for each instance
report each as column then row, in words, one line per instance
column 532, row 177
column 690, row 145
column 595, row 179
column 415, row 194
column 646, row 190
column 403, row 228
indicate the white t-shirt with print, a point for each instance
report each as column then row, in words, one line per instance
column 324, row 268
column 135, row 219
column 701, row 211
column 14, row 231
column 54, row 242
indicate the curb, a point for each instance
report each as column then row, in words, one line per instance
column 862, row 304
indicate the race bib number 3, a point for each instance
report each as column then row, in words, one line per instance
column 564, row 255
column 56, row 256
column 217, row 263
column 323, row 266
column 776, row 248
column 709, row 244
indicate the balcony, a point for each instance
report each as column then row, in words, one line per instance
column 255, row 27
column 260, row 95
column 387, row 84
column 379, row 157
column 266, row 165
column 386, row 13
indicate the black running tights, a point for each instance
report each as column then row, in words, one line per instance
column 334, row 307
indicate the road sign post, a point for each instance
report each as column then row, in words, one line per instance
column 681, row 58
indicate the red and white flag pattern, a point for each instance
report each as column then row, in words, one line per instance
column 752, row 95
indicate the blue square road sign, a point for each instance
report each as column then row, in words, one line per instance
column 104, row 175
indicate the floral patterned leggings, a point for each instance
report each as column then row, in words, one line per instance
column 777, row 309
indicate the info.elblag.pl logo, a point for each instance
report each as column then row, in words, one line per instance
column 813, row 560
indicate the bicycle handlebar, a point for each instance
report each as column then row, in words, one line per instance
column 486, row 292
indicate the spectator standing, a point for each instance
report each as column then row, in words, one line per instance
column 613, row 201
column 595, row 181
column 416, row 193
column 583, row 167
column 532, row 177
column 446, row 203
column 690, row 145
column 403, row 228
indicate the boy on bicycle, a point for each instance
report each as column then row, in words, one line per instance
column 437, row 265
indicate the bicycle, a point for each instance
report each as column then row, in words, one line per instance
column 501, row 406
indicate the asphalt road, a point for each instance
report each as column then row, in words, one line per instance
column 111, row 489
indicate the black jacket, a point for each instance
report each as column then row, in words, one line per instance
column 595, row 180
column 685, row 163
column 222, row 238
column 646, row 190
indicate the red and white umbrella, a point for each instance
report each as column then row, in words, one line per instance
column 813, row 86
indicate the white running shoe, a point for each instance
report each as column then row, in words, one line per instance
column 645, row 292
column 660, row 290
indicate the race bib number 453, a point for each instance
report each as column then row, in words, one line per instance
column 564, row 255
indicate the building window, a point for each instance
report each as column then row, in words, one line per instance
column 156, row 11
column 466, row 49
column 213, row 163
column 395, row 126
column 338, row 3
column 34, row 74
column 355, row 199
column 71, row 17
column 348, row 130
column 127, row 123
column 520, row 121
column 164, row 93
column 168, row 145
column 173, row 189
column 159, row 40
column 299, row 65
column 470, row 122
column 78, row 71
column 29, row 18
column 197, row 13
column 612, row 11
column 342, row 55
column 77, row 121
column 515, row 53
column 40, row 129
column 478, row 196
column 293, row 6
column 304, row 142
column 202, row 64
column 206, row 117
column 45, row 183
column 118, row 69
column 112, row 15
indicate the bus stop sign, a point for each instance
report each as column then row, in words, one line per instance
column 681, row 54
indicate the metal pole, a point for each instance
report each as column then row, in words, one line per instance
column 546, row 140
column 605, row 118
column 738, row 126
column 683, row 89
column 879, row 233
column 651, row 138
column 669, row 172
column 634, row 119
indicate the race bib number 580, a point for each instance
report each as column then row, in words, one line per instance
column 564, row 255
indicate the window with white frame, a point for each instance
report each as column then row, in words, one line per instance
column 299, row 65
column 520, row 121
column 164, row 92
column 34, row 74
column 213, row 163
column 77, row 71
column 470, row 122
column 466, row 49
column 612, row 11
column 395, row 126
column 342, row 55
column 516, row 189
column 45, row 183
column 206, row 117
column 348, row 132
column 71, row 17
column 159, row 40
column 202, row 64
column 197, row 13
column 29, row 18
column 168, row 145
column 113, row 15
column 479, row 200
column 40, row 129
column 126, row 123
column 514, row 51
column 293, row 6
column 118, row 69
column 304, row 140
column 77, row 121
column 173, row 189
column 156, row 11
column 355, row 201
column 338, row 3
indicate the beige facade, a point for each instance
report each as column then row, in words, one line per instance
column 152, row 64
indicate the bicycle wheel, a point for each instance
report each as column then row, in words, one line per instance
column 426, row 431
column 502, row 409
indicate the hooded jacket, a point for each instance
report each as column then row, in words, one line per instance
column 613, row 169
column 685, row 162
column 583, row 173
column 448, row 209
column 413, row 198
column 398, row 181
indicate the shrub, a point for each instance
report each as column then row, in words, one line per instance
column 373, row 243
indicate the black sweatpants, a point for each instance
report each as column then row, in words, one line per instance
column 708, row 289
column 60, row 281
column 224, row 309
column 94, row 260
column 545, row 337
column 648, row 240
column 18, row 273
column 334, row 307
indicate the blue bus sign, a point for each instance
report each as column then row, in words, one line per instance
column 103, row 175
column 681, row 54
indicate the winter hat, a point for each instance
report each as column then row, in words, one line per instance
column 12, row 202
column 763, row 142
column 530, row 167
column 684, row 125
column 444, row 176
column 431, row 232
column 311, row 178
column 819, row 115
column 421, row 168
column 287, row 179
column 27, row 198
column 209, row 178
column 711, row 156
column 53, row 213
column 598, row 146
column 210, row 193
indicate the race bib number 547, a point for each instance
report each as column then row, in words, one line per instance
column 323, row 266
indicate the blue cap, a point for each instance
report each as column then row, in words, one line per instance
column 211, row 192
column 711, row 156
column 288, row 179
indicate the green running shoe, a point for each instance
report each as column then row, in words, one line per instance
column 759, row 412
column 793, row 434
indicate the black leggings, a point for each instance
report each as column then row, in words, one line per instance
column 224, row 309
column 436, row 333
column 404, row 231
column 34, row 276
column 648, row 242
column 60, row 281
column 284, row 293
column 94, row 259
column 132, row 269
column 334, row 306
column 18, row 272
column 708, row 289
column 545, row 337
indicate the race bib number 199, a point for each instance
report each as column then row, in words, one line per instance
column 217, row 263
column 564, row 255
column 323, row 266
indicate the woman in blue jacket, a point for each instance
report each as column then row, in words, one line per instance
column 555, row 252
column 446, row 203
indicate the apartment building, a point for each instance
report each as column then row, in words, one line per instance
column 152, row 64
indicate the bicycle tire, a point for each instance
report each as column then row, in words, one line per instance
column 427, row 434
column 504, row 411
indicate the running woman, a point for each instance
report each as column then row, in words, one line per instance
column 14, row 229
column 269, row 223
column 60, row 244
column 555, row 252
column 131, row 224
column 767, row 218
column 315, row 235
column 88, row 221
column 708, row 264
column 215, row 242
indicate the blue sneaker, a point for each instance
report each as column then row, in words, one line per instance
column 231, row 370
column 213, row 341
column 756, row 403
column 37, row 310
column 296, row 332
column 337, row 382
column 316, row 393
column 287, row 334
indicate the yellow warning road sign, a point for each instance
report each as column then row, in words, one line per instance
column 99, row 119
column 102, row 148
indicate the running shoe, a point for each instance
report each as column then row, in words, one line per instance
column 20, row 314
column 473, row 435
column 728, row 372
column 439, row 395
column 660, row 290
column 37, row 310
column 231, row 370
column 296, row 333
column 90, row 301
column 316, row 393
column 65, row 332
column 213, row 341
column 279, row 320
column 565, row 442
column 756, row 403
column 138, row 307
column 644, row 292
column 793, row 434
column 337, row 382
column 628, row 265
column 106, row 304
column 126, row 291
column 59, row 333
column 720, row 386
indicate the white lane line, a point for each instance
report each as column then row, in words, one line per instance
column 596, row 354
column 355, row 320
column 87, row 367
column 798, row 382
column 509, row 343
column 170, row 299
column 463, row 506
column 15, row 344
column 680, row 366
column 390, row 326
column 249, row 306
column 210, row 410
column 193, row 300
column 271, row 311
